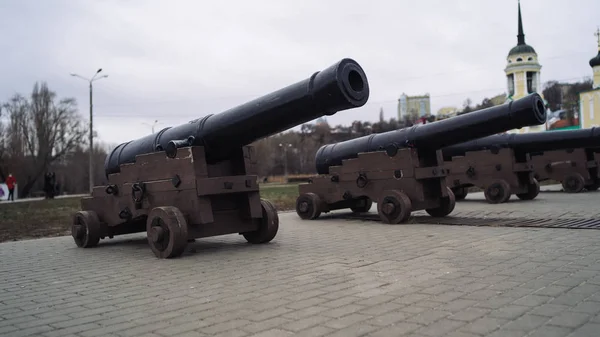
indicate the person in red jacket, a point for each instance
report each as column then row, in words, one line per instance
column 10, row 184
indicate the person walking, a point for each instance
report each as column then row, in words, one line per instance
column 10, row 184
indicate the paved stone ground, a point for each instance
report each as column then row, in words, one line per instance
column 550, row 203
column 327, row 277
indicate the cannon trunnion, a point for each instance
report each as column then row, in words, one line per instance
column 404, row 170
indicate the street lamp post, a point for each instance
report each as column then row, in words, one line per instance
column 151, row 125
column 285, row 148
column 94, row 78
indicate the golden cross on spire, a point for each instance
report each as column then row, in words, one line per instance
column 597, row 34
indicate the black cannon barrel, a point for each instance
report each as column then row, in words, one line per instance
column 527, row 111
column 339, row 87
column 530, row 142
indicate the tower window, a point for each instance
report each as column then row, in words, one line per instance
column 531, row 82
column 519, row 59
column 530, row 58
column 511, row 84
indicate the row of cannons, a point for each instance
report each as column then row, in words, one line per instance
column 199, row 179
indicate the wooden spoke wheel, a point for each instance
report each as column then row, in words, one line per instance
column 573, row 183
column 497, row 192
column 167, row 232
column 533, row 190
column 86, row 229
column 394, row 207
column 593, row 186
column 460, row 193
column 446, row 207
column 308, row 206
column 363, row 205
column 268, row 227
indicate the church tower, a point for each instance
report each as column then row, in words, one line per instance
column 522, row 72
column 589, row 101
column 523, row 69
column 595, row 63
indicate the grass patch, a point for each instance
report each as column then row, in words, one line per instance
column 283, row 196
column 36, row 219
column 48, row 218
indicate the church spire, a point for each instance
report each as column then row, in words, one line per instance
column 521, row 36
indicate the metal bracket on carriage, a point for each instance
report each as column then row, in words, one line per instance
column 430, row 172
column 112, row 189
column 522, row 167
column 471, row 172
column 137, row 193
column 125, row 214
column 362, row 180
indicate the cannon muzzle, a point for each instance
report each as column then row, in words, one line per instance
column 527, row 111
column 340, row 87
column 530, row 143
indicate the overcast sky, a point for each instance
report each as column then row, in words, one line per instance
column 176, row 60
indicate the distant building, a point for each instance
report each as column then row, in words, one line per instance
column 446, row 112
column 414, row 106
column 589, row 101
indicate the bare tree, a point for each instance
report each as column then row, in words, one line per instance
column 42, row 129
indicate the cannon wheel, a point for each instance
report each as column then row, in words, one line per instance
column 308, row 206
column 573, row 183
column 363, row 205
column 394, row 207
column 86, row 230
column 167, row 232
column 446, row 207
column 460, row 193
column 269, row 224
column 497, row 192
column 533, row 190
column 593, row 186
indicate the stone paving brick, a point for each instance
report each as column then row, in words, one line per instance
column 550, row 331
column 273, row 322
column 315, row 331
column 570, row 319
column 273, row 333
column 510, row 311
column 589, row 330
column 374, row 280
column 526, row 322
column 440, row 328
column 469, row 314
column 232, row 333
column 484, row 325
column 396, row 330
column 457, row 333
column 590, row 308
column 7, row 328
column 174, row 329
column 305, row 323
column 72, row 330
column 346, row 321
